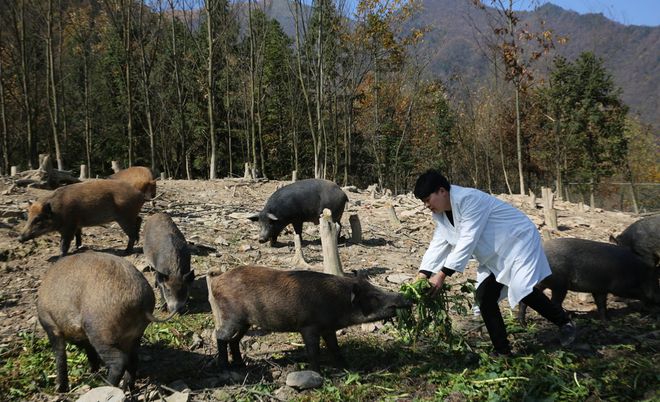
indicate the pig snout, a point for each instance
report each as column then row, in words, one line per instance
column 388, row 309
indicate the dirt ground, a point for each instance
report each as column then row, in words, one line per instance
column 213, row 217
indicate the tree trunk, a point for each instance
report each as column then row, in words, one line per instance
column 129, row 91
column 300, row 20
column 179, row 95
column 88, row 121
column 51, row 87
column 210, row 85
column 27, row 102
column 61, row 84
column 506, row 176
column 519, row 142
column 3, row 119
column 146, row 88
column 319, row 98
column 253, row 135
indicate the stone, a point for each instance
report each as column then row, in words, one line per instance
column 305, row 379
column 222, row 395
column 105, row 394
column 178, row 397
column 221, row 241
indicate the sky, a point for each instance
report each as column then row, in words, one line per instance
column 628, row 12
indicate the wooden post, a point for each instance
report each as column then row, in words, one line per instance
column 633, row 197
column 356, row 228
column 298, row 258
column 549, row 211
column 83, row 172
column 115, row 166
column 546, row 234
column 247, row 174
column 294, row 176
column 372, row 189
column 13, row 171
column 532, row 199
column 162, row 176
column 331, row 261
column 394, row 220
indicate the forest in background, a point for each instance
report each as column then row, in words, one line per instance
column 197, row 89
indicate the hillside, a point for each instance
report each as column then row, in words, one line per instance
column 630, row 53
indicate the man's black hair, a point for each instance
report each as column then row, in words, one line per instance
column 429, row 182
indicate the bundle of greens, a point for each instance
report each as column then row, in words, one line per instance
column 429, row 318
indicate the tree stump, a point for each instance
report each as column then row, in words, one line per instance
column 162, row 176
column 45, row 176
column 294, row 176
column 13, row 171
column 328, row 229
column 532, row 199
column 247, row 173
column 115, row 166
column 83, row 172
column 394, row 220
column 356, row 228
column 549, row 211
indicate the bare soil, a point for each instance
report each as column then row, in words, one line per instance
column 213, row 217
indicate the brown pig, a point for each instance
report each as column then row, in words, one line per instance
column 101, row 303
column 312, row 303
column 166, row 250
column 91, row 203
column 140, row 178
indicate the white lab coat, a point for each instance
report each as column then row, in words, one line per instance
column 504, row 241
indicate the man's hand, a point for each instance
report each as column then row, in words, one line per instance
column 421, row 275
column 436, row 282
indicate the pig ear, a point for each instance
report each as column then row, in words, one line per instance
column 272, row 217
column 254, row 217
column 189, row 277
column 358, row 299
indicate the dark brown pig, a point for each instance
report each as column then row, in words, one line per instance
column 312, row 303
column 91, row 203
column 643, row 239
column 598, row 268
column 166, row 250
column 101, row 303
column 140, row 178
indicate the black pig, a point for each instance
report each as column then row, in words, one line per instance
column 295, row 203
column 598, row 268
column 166, row 250
column 101, row 303
column 312, row 303
column 643, row 238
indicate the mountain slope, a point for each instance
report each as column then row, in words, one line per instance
column 630, row 53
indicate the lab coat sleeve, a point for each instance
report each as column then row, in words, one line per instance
column 474, row 216
column 435, row 256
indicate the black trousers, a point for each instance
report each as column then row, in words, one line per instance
column 488, row 294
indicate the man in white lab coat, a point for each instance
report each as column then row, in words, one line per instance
column 504, row 241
